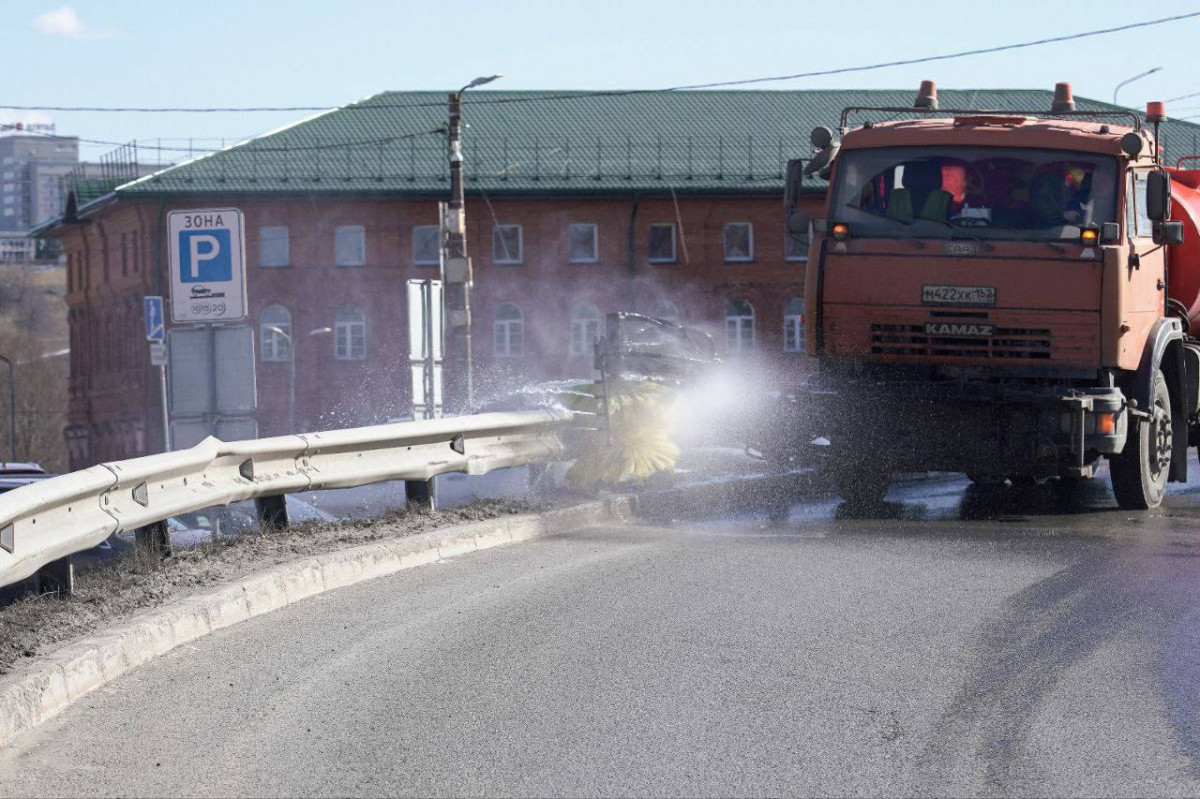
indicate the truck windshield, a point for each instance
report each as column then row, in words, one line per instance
column 989, row 192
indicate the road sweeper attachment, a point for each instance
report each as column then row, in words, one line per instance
column 642, row 363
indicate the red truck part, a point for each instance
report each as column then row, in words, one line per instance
column 1183, row 261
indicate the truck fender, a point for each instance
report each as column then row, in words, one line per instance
column 1164, row 350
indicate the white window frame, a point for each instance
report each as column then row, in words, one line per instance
column 520, row 257
column 342, row 230
column 595, row 256
column 793, row 326
column 736, row 327
column 748, row 258
column 437, row 237
column 585, row 329
column 343, row 336
column 674, row 244
column 502, row 329
column 287, row 246
column 274, row 348
column 787, row 239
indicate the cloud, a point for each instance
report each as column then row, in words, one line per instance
column 65, row 22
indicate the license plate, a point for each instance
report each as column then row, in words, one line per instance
column 958, row 295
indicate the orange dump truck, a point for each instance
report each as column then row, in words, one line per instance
column 1005, row 294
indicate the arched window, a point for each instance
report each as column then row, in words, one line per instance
column 739, row 326
column 508, row 332
column 350, row 334
column 665, row 310
column 275, row 331
column 793, row 325
column 585, row 328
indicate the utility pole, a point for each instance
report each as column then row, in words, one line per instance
column 456, row 266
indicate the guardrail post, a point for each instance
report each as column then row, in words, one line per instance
column 57, row 577
column 154, row 539
column 272, row 511
column 420, row 495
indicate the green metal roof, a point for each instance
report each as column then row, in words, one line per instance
column 559, row 142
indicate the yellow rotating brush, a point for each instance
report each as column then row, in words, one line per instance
column 635, row 443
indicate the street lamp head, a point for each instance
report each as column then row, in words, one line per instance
column 320, row 331
column 480, row 81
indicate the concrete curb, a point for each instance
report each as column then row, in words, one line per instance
column 43, row 688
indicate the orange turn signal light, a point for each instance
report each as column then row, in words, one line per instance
column 1089, row 236
column 841, row 231
column 1106, row 424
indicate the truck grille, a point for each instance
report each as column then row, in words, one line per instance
column 1008, row 343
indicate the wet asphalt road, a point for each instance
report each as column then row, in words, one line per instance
column 962, row 642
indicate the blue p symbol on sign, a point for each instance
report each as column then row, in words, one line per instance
column 205, row 256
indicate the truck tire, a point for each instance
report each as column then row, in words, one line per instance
column 1139, row 472
column 862, row 487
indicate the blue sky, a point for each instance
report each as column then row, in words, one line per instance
column 303, row 52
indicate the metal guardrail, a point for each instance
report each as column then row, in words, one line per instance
column 46, row 522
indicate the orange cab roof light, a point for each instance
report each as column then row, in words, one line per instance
column 927, row 96
column 1156, row 112
column 1064, row 100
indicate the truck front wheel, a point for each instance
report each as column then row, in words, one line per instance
column 1139, row 472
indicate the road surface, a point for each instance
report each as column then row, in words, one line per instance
column 963, row 642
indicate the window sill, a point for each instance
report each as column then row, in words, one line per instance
column 508, row 263
column 274, row 266
column 802, row 260
column 662, row 261
column 575, row 262
column 426, row 264
column 350, row 266
column 739, row 260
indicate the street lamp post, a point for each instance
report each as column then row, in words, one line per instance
column 1128, row 81
column 292, row 368
column 12, row 409
column 456, row 268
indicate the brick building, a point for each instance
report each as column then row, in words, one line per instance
column 668, row 204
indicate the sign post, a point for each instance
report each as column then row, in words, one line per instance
column 212, row 376
column 156, row 333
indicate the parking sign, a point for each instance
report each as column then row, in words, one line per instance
column 207, row 260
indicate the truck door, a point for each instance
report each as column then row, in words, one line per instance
column 1145, row 274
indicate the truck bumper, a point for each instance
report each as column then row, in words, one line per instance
column 996, row 429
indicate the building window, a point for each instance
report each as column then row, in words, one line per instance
column 665, row 310
column 584, row 244
column 795, row 246
column 275, row 333
column 273, row 246
column 585, row 328
column 506, row 244
column 793, row 325
column 427, row 245
column 739, row 327
column 350, row 245
column 350, row 334
column 662, row 244
column 508, row 332
column 739, row 242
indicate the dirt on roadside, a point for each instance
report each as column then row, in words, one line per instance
column 118, row 590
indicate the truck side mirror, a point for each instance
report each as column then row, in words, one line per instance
column 792, row 186
column 1168, row 233
column 1158, row 196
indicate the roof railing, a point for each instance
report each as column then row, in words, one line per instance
column 1133, row 116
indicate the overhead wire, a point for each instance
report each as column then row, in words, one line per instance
column 481, row 100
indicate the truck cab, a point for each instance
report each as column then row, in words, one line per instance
column 988, row 293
